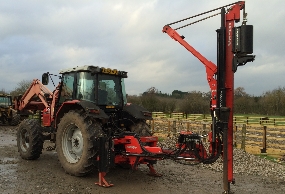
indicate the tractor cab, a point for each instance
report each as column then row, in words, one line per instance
column 7, row 113
column 102, row 86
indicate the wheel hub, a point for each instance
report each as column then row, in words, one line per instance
column 72, row 144
column 77, row 142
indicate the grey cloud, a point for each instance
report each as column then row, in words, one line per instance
column 41, row 36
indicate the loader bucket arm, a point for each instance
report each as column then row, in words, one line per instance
column 211, row 68
column 36, row 89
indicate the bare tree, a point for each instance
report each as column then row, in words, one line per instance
column 21, row 88
column 194, row 103
column 152, row 90
column 134, row 99
column 240, row 92
column 273, row 102
column 150, row 102
column 3, row 91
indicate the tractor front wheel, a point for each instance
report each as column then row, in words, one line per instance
column 75, row 143
column 29, row 139
column 15, row 120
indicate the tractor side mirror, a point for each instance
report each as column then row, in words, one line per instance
column 45, row 78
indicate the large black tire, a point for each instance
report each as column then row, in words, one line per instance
column 16, row 118
column 29, row 139
column 141, row 128
column 75, row 143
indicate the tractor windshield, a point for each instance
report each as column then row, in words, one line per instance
column 86, row 86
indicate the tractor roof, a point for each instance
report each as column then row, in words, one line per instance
column 95, row 69
column 82, row 68
column 5, row 95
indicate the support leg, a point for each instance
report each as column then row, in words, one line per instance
column 102, row 181
column 152, row 171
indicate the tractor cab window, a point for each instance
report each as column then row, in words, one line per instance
column 124, row 91
column 86, row 86
column 5, row 101
column 109, row 90
column 67, row 87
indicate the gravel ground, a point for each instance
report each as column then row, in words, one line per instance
column 45, row 175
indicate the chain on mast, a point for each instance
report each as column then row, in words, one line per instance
column 200, row 15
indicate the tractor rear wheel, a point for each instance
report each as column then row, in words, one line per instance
column 75, row 143
column 141, row 128
column 29, row 139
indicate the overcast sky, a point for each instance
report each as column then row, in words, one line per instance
column 40, row 36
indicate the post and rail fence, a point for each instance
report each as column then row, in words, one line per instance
column 257, row 135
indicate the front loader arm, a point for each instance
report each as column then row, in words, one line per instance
column 36, row 89
column 211, row 68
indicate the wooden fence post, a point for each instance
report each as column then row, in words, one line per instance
column 168, row 128
column 243, row 134
column 263, row 150
column 235, row 137
column 174, row 127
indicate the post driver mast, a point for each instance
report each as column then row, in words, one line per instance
column 234, row 46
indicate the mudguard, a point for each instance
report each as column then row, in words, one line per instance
column 137, row 111
column 87, row 106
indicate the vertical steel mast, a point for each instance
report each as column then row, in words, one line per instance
column 233, row 46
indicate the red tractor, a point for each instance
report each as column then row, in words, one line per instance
column 88, row 102
column 93, row 126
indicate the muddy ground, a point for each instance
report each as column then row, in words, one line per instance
column 45, row 175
